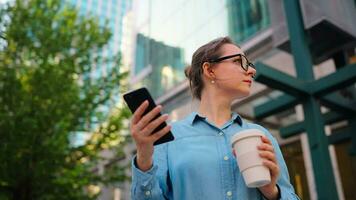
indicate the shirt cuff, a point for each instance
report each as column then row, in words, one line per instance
column 279, row 193
column 140, row 177
column 285, row 193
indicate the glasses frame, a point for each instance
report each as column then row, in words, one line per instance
column 245, row 68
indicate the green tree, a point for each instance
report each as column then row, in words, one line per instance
column 47, row 94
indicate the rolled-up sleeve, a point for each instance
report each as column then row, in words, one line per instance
column 151, row 184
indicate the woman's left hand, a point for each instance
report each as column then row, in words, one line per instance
column 266, row 149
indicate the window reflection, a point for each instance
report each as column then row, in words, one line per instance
column 166, row 61
column 246, row 18
column 168, row 35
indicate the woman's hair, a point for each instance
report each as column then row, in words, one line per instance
column 207, row 52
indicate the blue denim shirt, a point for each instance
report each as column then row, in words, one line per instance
column 199, row 164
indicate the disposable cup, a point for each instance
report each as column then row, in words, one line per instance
column 248, row 159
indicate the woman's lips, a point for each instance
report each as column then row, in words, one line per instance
column 247, row 81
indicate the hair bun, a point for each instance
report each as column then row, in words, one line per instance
column 187, row 71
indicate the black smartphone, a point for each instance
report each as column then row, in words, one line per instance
column 135, row 98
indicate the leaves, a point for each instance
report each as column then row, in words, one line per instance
column 47, row 92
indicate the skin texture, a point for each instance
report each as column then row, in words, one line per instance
column 224, row 82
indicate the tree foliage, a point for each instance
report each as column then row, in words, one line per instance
column 49, row 91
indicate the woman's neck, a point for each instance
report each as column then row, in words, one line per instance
column 216, row 108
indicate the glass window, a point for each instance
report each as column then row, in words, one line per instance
column 174, row 30
column 347, row 168
column 142, row 53
column 293, row 156
column 246, row 18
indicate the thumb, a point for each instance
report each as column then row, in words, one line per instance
column 234, row 153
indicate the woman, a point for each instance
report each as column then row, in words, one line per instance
column 199, row 163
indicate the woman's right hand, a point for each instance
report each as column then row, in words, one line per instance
column 142, row 128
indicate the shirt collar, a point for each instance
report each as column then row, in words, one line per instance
column 195, row 116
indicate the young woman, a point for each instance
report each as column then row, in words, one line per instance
column 199, row 163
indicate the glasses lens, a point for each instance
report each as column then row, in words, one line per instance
column 244, row 63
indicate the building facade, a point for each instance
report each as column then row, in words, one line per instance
column 115, row 14
column 166, row 33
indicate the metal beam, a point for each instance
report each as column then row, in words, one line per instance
column 340, row 79
column 338, row 103
column 349, row 133
column 291, row 130
column 319, row 149
column 318, row 142
column 333, row 101
column 352, row 124
column 306, row 89
column 275, row 106
column 299, row 127
column 280, row 81
column 336, row 138
column 332, row 117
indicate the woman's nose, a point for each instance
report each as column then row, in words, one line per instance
column 252, row 71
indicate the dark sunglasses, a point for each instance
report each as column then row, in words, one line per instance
column 244, row 62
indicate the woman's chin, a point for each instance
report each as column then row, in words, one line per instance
column 242, row 94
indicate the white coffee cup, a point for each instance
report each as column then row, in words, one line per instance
column 248, row 159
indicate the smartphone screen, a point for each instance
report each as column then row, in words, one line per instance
column 135, row 98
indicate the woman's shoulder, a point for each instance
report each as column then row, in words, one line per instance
column 256, row 126
column 183, row 125
column 186, row 120
column 250, row 125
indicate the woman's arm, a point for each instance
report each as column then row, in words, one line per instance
column 279, row 171
column 149, row 175
column 153, row 183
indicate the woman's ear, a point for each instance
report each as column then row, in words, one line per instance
column 208, row 71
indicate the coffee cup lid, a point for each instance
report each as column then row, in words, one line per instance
column 246, row 133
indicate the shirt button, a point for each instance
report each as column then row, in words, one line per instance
column 221, row 133
column 226, row 158
column 147, row 193
column 229, row 193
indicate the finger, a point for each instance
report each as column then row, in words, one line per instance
column 266, row 147
column 148, row 117
column 268, row 155
column 273, row 167
column 155, row 136
column 154, row 124
column 234, row 152
column 138, row 113
column 266, row 140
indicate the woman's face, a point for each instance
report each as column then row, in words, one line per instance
column 229, row 75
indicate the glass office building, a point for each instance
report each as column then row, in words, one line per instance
column 113, row 14
column 168, row 32
column 117, row 15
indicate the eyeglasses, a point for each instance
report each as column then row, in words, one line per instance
column 243, row 61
